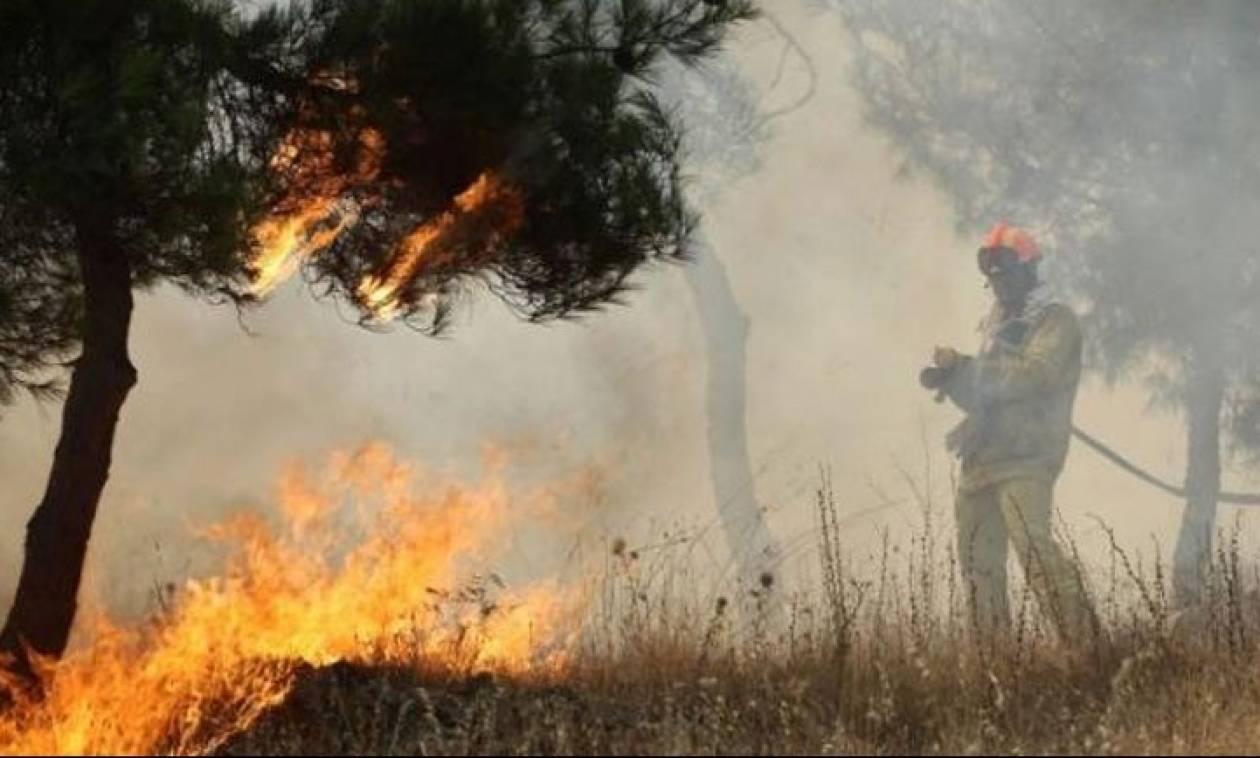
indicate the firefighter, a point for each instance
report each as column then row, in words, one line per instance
column 1017, row 393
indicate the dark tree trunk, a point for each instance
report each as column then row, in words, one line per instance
column 725, row 327
column 57, row 534
column 1204, row 396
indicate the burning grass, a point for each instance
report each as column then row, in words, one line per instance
column 361, row 568
column 303, row 649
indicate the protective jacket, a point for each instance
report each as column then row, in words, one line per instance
column 1018, row 393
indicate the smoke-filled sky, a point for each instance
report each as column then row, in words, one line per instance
column 848, row 274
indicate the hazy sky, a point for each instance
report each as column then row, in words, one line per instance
column 848, row 274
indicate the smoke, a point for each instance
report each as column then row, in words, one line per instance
column 848, row 274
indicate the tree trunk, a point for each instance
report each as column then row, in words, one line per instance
column 1205, row 394
column 57, row 535
column 752, row 545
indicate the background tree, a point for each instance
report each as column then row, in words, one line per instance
column 395, row 151
column 1123, row 132
column 728, row 126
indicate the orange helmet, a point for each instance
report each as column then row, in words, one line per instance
column 1013, row 238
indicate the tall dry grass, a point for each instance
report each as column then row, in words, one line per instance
column 889, row 662
column 876, row 656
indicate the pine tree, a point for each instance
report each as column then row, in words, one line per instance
column 396, row 152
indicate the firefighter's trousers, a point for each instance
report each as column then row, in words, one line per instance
column 1018, row 512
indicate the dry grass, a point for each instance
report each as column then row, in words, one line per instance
column 892, row 665
column 883, row 662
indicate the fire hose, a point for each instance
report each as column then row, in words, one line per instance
column 932, row 379
column 1232, row 498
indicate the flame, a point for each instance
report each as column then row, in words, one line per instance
column 488, row 203
column 285, row 243
column 379, row 293
column 311, row 222
column 226, row 648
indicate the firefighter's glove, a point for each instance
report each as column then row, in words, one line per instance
column 933, row 377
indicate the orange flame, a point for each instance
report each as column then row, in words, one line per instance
column 312, row 222
column 225, row 650
column 315, row 219
column 495, row 208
